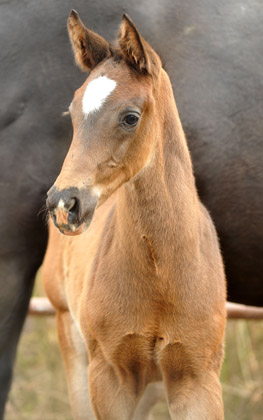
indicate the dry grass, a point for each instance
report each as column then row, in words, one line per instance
column 39, row 389
column 242, row 374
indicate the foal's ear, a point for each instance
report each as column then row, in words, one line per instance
column 89, row 48
column 137, row 52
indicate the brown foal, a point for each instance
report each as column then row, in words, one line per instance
column 140, row 294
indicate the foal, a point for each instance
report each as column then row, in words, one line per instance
column 140, row 294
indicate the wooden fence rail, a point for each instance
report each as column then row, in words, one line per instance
column 41, row 306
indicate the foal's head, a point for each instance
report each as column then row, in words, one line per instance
column 114, row 115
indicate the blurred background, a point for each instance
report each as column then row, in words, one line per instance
column 39, row 389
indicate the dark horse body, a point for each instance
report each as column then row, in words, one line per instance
column 216, row 68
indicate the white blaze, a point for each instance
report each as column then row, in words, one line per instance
column 96, row 93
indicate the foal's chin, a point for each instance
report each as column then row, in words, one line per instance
column 73, row 229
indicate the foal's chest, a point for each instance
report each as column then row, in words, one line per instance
column 129, row 321
column 130, row 341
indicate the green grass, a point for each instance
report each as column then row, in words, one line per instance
column 39, row 389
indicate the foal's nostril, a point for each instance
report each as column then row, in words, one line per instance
column 72, row 204
column 73, row 210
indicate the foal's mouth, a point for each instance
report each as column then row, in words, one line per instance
column 69, row 223
column 62, row 220
column 70, row 229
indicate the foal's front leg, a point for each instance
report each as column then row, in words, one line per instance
column 196, row 399
column 121, row 406
column 75, row 358
column 192, row 393
column 114, row 394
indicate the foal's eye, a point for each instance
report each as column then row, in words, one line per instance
column 130, row 120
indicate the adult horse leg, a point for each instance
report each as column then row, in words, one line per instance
column 21, row 254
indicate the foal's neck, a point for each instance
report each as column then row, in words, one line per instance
column 160, row 204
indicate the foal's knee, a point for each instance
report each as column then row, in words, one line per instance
column 196, row 398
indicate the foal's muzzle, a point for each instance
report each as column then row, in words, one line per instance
column 71, row 209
